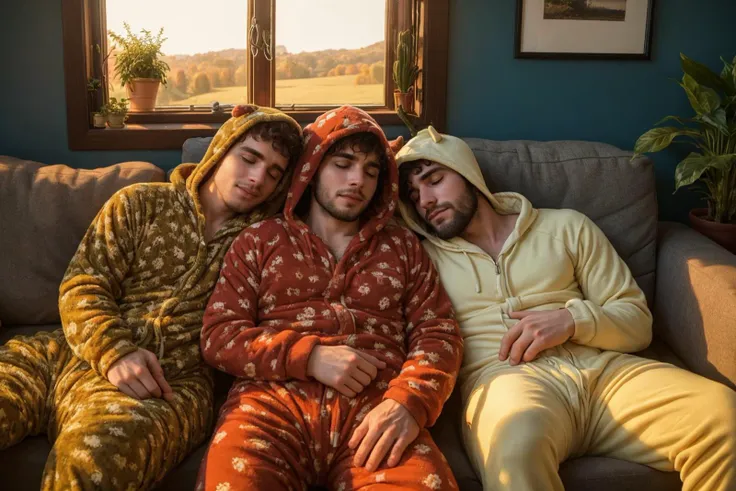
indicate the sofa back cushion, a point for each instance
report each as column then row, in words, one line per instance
column 44, row 212
column 597, row 179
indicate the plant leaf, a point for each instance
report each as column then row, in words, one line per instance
column 689, row 170
column 701, row 73
column 717, row 119
column 704, row 100
column 658, row 139
column 728, row 75
column 680, row 120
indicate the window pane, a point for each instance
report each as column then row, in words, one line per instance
column 330, row 52
column 205, row 49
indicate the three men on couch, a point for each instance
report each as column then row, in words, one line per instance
column 337, row 324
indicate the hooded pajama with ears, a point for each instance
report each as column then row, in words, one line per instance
column 140, row 278
column 585, row 397
column 281, row 293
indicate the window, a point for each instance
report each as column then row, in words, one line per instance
column 207, row 60
column 337, row 57
column 303, row 56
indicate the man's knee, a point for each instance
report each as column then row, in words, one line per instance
column 80, row 461
column 718, row 407
column 521, row 436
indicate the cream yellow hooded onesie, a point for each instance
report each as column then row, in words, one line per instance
column 586, row 396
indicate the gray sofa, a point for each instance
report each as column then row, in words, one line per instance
column 44, row 210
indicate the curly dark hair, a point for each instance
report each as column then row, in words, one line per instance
column 405, row 171
column 284, row 138
column 363, row 142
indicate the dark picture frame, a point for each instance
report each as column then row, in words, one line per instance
column 645, row 54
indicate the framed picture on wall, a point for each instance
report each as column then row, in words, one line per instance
column 584, row 29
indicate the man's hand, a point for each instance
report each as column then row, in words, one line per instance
column 534, row 333
column 345, row 369
column 140, row 375
column 388, row 426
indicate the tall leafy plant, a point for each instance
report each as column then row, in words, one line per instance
column 712, row 133
column 405, row 66
column 140, row 54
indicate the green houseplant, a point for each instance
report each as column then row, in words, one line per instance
column 116, row 112
column 140, row 67
column 405, row 71
column 712, row 133
column 93, row 85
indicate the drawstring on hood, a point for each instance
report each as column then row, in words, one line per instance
column 475, row 272
column 453, row 153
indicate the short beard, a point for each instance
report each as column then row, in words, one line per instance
column 329, row 206
column 464, row 211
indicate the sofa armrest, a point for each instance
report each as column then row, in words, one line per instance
column 695, row 301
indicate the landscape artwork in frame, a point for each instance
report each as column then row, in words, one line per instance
column 584, row 29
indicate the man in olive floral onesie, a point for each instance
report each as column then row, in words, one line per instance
column 121, row 390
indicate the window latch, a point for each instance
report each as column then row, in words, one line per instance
column 260, row 40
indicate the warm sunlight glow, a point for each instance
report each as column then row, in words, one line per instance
column 301, row 25
column 327, row 52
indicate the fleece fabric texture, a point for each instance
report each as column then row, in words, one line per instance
column 140, row 278
column 281, row 293
column 585, row 396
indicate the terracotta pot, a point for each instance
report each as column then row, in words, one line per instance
column 404, row 99
column 723, row 234
column 142, row 94
column 116, row 120
column 99, row 120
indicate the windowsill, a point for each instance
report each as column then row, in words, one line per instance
column 171, row 135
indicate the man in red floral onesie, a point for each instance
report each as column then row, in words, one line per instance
column 335, row 323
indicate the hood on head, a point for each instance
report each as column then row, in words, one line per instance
column 319, row 136
column 244, row 117
column 450, row 151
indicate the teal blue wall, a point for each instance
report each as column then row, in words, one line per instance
column 32, row 96
column 491, row 94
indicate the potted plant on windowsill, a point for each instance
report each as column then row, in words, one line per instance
column 712, row 131
column 93, row 85
column 405, row 71
column 139, row 67
column 99, row 119
column 116, row 112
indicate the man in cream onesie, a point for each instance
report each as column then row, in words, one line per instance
column 548, row 311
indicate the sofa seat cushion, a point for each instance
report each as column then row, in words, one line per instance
column 46, row 209
column 24, row 463
column 606, row 474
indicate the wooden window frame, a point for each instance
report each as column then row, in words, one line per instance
column 84, row 23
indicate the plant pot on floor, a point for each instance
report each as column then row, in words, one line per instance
column 404, row 99
column 116, row 121
column 99, row 120
column 723, row 234
column 142, row 93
